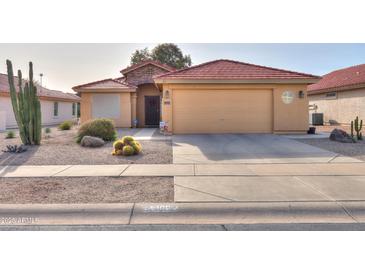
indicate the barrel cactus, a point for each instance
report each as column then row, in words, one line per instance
column 136, row 146
column 126, row 146
column 128, row 150
column 26, row 106
column 127, row 140
column 118, row 145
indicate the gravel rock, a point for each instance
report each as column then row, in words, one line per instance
column 340, row 135
column 356, row 150
column 87, row 190
column 89, row 141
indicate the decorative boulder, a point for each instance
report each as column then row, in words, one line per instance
column 89, row 141
column 340, row 135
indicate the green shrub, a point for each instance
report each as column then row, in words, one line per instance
column 10, row 134
column 47, row 130
column 66, row 125
column 102, row 128
column 128, row 150
column 127, row 140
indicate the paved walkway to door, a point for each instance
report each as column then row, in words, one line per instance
column 143, row 134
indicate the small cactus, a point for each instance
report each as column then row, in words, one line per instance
column 126, row 146
column 127, row 140
column 118, row 145
column 128, row 150
column 136, row 146
column 357, row 126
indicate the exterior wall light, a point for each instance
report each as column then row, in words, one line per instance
column 167, row 94
column 301, row 94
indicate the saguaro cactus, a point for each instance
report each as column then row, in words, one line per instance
column 26, row 106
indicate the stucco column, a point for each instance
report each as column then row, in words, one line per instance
column 134, row 107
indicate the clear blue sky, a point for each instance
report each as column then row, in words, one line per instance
column 67, row 65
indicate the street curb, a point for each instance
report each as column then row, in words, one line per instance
column 248, row 213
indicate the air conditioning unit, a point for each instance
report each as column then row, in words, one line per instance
column 317, row 119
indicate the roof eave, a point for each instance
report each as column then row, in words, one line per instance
column 142, row 64
column 43, row 97
column 237, row 81
column 81, row 90
column 341, row 88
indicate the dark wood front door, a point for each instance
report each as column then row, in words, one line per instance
column 152, row 110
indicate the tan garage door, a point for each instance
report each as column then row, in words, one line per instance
column 222, row 111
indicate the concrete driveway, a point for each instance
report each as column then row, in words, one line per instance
column 248, row 148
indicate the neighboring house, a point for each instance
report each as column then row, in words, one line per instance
column 56, row 106
column 221, row 96
column 339, row 95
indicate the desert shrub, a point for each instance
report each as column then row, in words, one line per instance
column 10, row 134
column 47, row 130
column 127, row 140
column 66, row 125
column 102, row 128
column 128, row 150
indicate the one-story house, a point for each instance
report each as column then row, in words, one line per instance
column 56, row 106
column 339, row 95
column 220, row 96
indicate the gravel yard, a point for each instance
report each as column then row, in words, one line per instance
column 86, row 190
column 356, row 150
column 61, row 149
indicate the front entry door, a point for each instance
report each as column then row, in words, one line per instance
column 152, row 110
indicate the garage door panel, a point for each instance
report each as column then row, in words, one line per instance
column 222, row 111
column 106, row 106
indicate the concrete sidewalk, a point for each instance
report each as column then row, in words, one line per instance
column 319, row 169
column 182, row 214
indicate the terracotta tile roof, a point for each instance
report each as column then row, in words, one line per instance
column 150, row 62
column 233, row 70
column 340, row 79
column 42, row 91
column 109, row 83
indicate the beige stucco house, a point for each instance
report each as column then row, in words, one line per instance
column 221, row 96
column 339, row 95
column 56, row 106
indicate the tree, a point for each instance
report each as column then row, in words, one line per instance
column 167, row 53
column 140, row 56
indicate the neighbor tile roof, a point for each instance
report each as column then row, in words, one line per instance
column 109, row 83
column 233, row 70
column 150, row 62
column 340, row 79
column 41, row 91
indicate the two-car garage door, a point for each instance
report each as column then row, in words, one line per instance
column 222, row 111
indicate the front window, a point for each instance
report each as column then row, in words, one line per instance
column 55, row 109
column 73, row 109
column 331, row 95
